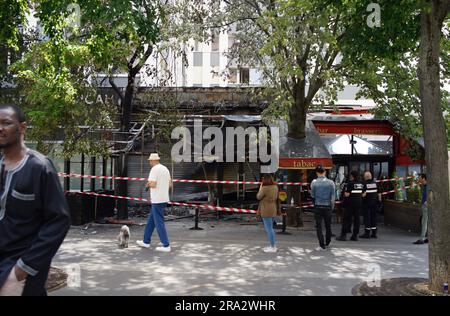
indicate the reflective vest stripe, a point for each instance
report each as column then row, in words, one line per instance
column 356, row 191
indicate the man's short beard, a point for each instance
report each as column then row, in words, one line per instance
column 3, row 146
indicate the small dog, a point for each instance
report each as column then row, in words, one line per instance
column 124, row 236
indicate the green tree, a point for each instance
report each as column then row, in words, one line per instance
column 386, row 63
column 432, row 16
column 112, row 38
column 59, row 101
column 295, row 45
column 12, row 17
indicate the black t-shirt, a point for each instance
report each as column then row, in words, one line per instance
column 356, row 189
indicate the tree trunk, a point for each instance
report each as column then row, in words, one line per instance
column 297, row 125
column 435, row 145
column 122, row 161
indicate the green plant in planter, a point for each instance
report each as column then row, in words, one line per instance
column 418, row 193
column 398, row 184
column 413, row 192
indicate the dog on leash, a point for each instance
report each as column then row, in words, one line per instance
column 124, row 236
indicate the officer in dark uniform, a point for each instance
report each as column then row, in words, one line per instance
column 371, row 201
column 353, row 201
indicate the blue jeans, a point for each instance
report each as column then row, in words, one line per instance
column 268, row 225
column 156, row 218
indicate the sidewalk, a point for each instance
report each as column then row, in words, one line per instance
column 226, row 258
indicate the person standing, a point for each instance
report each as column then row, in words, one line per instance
column 323, row 194
column 159, row 182
column 34, row 214
column 370, row 206
column 353, row 200
column 268, row 208
column 424, row 211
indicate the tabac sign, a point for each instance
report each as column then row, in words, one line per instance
column 304, row 163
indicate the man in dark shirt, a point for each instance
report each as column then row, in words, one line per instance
column 370, row 206
column 34, row 216
column 353, row 200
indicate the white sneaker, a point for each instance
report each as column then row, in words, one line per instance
column 163, row 249
column 320, row 249
column 142, row 244
column 270, row 249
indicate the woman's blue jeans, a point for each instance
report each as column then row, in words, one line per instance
column 268, row 225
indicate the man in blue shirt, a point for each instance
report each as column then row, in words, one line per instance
column 323, row 194
column 424, row 211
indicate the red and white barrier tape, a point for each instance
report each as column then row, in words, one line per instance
column 85, row 176
column 210, row 207
column 203, row 206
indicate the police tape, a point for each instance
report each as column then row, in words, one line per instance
column 202, row 206
column 211, row 207
column 85, row 176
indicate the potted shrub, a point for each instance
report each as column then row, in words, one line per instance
column 404, row 211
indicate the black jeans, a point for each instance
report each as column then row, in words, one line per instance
column 370, row 215
column 351, row 214
column 323, row 213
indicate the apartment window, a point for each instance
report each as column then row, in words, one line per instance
column 215, row 42
column 198, row 59
column 231, row 41
column 232, row 78
column 196, row 46
column 244, row 75
column 215, row 59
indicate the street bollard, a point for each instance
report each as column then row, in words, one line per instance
column 196, row 218
column 284, row 225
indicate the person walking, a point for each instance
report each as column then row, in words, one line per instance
column 159, row 182
column 268, row 208
column 323, row 194
column 34, row 214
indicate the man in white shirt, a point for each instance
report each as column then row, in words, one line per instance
column 159, row 183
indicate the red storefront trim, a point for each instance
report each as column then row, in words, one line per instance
column 356, row 128
column 407, row 161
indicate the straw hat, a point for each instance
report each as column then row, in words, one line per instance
column 154, row 156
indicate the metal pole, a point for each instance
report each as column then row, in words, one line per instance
column 172, row 176
column 82, row 173
column 67, row 171
column 197, row 215
column 111, row 172
column 93, row 162
column 104, row 170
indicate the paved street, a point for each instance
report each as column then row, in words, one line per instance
column 227, row 259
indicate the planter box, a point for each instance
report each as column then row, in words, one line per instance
column 402, row 215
